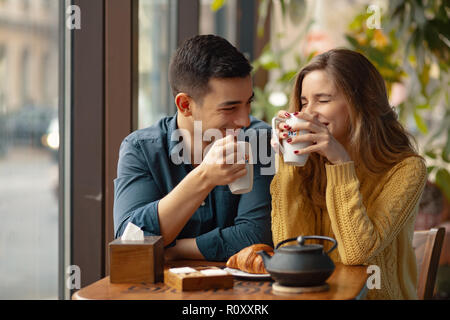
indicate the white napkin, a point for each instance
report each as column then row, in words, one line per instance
column 132, row 232
column 214, row 272
column 182, row 270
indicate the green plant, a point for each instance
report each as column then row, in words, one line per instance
column 269, row 60
column 413, row 46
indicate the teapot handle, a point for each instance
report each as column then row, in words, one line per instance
column 284, row 241
column 301, row 241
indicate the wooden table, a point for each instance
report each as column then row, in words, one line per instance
column 346, row 282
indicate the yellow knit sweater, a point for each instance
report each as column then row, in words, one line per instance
column 371, row 217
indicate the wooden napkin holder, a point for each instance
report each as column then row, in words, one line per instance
column 197, row 280
column 137, row 261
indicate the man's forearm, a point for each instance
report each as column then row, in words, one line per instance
column 175, row 209
column 184, row 249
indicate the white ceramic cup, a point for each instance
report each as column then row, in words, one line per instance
column 243, row 184
column 289, row 157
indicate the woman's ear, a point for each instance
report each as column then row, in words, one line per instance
column 184, row 104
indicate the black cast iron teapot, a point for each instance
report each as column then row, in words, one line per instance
column 300, row 265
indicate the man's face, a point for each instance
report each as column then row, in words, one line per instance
column 226, row 105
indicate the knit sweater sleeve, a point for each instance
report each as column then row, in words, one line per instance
column 291, row 215
column 362, row 233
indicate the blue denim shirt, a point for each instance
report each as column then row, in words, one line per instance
column 223, row 225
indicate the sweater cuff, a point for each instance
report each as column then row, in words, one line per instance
column 341, row 173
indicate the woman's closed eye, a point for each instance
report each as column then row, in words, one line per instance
column 320, row 101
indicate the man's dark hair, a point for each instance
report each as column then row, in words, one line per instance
column 201, row 58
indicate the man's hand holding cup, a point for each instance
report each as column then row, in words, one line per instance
column 226, row 162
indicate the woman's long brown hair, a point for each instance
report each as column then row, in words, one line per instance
column 376, row 139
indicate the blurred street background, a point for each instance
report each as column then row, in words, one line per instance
column 28, row 224
column 29, row 142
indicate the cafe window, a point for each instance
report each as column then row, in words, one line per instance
column 157, row 41
column 221, row 22
column 29, row 144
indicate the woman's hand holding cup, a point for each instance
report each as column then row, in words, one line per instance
column 283, row 128
column 315, row 133
column 314, row 137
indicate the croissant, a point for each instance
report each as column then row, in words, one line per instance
column 248, row 260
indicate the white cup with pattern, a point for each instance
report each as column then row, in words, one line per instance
column 287, row 149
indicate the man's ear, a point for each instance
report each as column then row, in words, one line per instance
column 184, row 104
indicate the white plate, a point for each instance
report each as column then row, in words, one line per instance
column 241, row 274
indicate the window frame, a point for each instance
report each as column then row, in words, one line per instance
column 87, row 143
column 64, row 153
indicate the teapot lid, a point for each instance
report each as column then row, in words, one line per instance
column 302, row 247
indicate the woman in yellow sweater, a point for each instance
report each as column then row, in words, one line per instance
column 363, row 180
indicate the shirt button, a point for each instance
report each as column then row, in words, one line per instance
column 203, row 203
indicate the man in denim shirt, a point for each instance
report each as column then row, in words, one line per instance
column 188, row 202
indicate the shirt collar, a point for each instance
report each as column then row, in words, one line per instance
column 171, row 127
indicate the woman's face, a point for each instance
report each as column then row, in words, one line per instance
column 321, row 97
